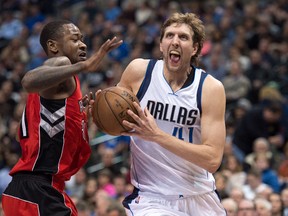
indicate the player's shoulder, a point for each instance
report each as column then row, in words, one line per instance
column 134, row 74
column 139, row 62
column 137, row 67
column 212, row 86
column 212, row 83
column 213, row 94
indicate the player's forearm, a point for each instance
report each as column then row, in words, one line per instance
column 202, row 155
column 45, row 77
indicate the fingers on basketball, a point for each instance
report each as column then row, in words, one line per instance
column 110, row 109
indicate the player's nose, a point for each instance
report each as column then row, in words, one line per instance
column 82, row 45
column 175, row 40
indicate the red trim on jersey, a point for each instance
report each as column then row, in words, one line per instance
column 13, row 205
column 73, row 155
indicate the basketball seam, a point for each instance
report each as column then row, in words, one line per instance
column 112, row 109
column 98, row 117
column 130, row 107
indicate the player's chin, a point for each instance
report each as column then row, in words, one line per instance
column 82, row 58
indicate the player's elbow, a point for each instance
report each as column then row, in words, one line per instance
column 26, row 84
column 213, row 165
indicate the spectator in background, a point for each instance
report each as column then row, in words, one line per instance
column 230, row 206
column 83, row 209
column 284, row 198
column 280, row 72
column 235, row 53
column 113, row 11
column 15, row 51
column 265, row 193
column 239, row 110
column 236, row 84
column 15, row 75
column 276, row 203
column 262, row 121
column 221, row 184
column 105, row 182
column 109, row 161
column 214, row 62
column 234, row 172
column 246, row 207
column 122, row 52
column 264, row 43
column 119, row 145
column 91, row 187
column 271, row 91
column 263, row 207
column 260, row 145
column 76, row 185
column 11, row 159
column 236, row 194
column 257, row 74
column 233, row 117
column 282, row 168
column 143, row 13
column 269, row 176
column 1, row 209
column 9, row 139
column 115, row 209
column 254, row 185
column 10, row 27
column 37, row 55
column 101, row 202
column 120, row 184
column 34, row 15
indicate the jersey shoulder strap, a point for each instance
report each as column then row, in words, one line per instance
column 147, row 79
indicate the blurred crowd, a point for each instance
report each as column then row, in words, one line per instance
column 246, row 48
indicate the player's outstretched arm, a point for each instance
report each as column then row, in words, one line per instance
column 58, row 69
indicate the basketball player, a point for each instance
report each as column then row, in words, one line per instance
column 179, row 137
column 53, row 131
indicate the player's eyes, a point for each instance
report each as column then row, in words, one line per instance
column 169, row 35
column 183, row 37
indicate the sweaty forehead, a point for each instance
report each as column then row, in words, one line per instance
column 71, row 29
column 182, row 27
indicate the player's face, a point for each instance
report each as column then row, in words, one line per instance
column 72, row 45
column 177, row 47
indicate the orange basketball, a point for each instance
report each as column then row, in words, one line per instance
column 110, row 109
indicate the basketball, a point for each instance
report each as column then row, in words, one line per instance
column 110, row 109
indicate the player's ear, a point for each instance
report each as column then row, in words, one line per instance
column 52, row 46
column 195, row 47
column 161, row 49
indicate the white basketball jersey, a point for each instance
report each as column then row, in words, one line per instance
column 153, row 168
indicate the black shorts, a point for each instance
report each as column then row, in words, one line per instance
column 30, row 194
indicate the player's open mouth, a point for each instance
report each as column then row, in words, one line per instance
column 174, row 56
column 82, row 55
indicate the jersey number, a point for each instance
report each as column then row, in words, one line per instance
column 178, row 132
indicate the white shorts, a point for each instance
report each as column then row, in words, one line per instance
column 139, row 204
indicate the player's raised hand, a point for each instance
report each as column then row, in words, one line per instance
column 92, row 63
